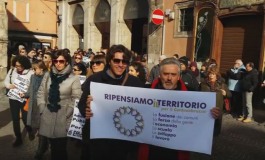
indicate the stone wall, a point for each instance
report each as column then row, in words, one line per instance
column 3, row 42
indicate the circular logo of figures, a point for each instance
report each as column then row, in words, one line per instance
column 129, row 131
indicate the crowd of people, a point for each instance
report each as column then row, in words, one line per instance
column 59, row 79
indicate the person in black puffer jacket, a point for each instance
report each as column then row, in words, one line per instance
column 187, row 76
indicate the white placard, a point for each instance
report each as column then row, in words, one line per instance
column 22, row 84
column 77, row 123
column 178, row 120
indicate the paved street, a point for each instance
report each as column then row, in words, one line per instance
column 238, row 141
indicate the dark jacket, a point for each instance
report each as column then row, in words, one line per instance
column 33, row 116
column 250, row 80
column 150, row 152
column 206, row 87
column 154, row 73
column 106, row 148
column 190, row 80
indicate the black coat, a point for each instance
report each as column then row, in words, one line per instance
column 250, row 80
column 105, row 148
column 190, row 80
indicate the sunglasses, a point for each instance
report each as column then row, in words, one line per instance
column 78, row 58
column 118, row 61
column 75, row 69
column 55, row 61
column 95, row 62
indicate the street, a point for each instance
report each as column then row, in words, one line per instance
column 238, row 141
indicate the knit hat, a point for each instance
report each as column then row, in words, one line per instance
column 184, row 60
column 193, row 64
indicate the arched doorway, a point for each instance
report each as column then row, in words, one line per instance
column 102, row 21
column 136, row 18
column 78, row 24
column 242, row 36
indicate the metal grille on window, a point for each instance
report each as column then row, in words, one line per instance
column 186, row 20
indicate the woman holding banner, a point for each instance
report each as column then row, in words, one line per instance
column 23, row 72
column 214, row 83
column 56, row 99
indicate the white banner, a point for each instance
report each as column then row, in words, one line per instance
column 178, row 120
column 77, row 123
column 22, row 84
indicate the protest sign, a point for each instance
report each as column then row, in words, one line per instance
column 22, row 84
column 178, row 120
column 77, row 123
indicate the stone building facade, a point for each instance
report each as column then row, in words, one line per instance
column 101, row 23
column 3, row 41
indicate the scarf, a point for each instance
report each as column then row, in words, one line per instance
column 214, row 86
column 54, row 92
column 36, row 81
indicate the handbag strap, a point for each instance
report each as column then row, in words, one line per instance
column 125, row 79
column 10, row 76
column 46, row 89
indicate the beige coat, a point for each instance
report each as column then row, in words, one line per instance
column 56, row 124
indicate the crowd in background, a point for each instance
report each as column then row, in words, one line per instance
column 55, row 75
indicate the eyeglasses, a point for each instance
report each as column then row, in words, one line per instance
column 75, row 69
column 95, row 62
column 55, row 61
column 118, row 61
column 78, row 58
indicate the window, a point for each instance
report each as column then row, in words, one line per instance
column 184, row 19
column 21, row 10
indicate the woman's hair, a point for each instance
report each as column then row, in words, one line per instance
column 40, row 64
column 118, row 48
column 140, row 69
column 79, row 54
column 23, row 60
column 63, row 53
column 48, row 53
column 81, row 67
column 101, row 58
column 214, row 70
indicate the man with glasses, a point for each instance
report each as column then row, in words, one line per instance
column 234, row 85
column 115, row 73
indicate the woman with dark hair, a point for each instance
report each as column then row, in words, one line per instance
column 79, row 69
column 22, row 69
column 115, row 73
column 136, row 69
column 97, row 63
column 56, row 98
